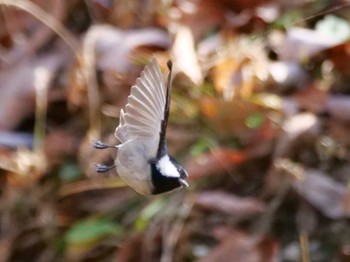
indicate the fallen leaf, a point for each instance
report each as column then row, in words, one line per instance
column 229, row 118
column 200, row 16
column 215, row 162
column 339, row 107
column 36, row 34
column 185, row 56
column 294, row 127
column 287, row 74
column 10, row 139
column 106, row 38
column 236, row 73
column 58, row 145
column 340, row 57
column 126, row 252
column 301, row 44
column 17, row 99
column 311, row 98
column 229, row 204
column 240, row 247
column 29, row 245
column 330, row 197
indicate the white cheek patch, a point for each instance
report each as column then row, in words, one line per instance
column 167, row 168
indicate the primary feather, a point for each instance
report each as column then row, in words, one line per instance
column 144, row 111
column 145, row 108
column 140, row 127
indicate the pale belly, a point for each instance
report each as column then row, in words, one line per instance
column 133, row 167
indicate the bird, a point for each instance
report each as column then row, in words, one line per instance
column 142, row 160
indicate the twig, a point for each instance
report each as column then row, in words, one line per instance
column 91, row 83
column 86, row 185
column 47, row 19
column 42, row 80
column 304, row 246
column 172, row 235
column 263, row 226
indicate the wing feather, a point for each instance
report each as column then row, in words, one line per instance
column 137, row 112
column 144, row 112
column 157, row 100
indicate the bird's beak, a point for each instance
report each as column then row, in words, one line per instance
column 183, row 182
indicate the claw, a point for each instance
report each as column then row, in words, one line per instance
column 100, row 145
column 103, row 168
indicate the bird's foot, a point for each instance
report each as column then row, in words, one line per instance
column 103, row 168
column 100, row 145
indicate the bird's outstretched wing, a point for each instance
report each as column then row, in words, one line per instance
column 144, row 113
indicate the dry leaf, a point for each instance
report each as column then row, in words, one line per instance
column 227, row 117
column 301, row 44
column 58, row 145
column 287, row 73
column 126, row 253
column 311, row 98
column 185, row 57
column 37, row 34
column 16, row 139
column 339, row 107
column 17, row 99
column 240, row 247
column 294, row 127
column 215, row 162
column 107, row 38
column 330, row 197
column 229, row 204
column 228, row 78
column 200, row 16
column 340, row 56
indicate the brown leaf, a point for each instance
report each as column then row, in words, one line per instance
column 339, row 131
column 58, row 145
column 89, row 197
column 229, row 203
column 240, row 247
column 330, row 197
column 185, row 56
column 215, row 162
column 236, row 73
column 294, row 127
column 311, row 98
column 227, row 77
column 126, row 253
column 35, row 33
column 106, row 38
column 229, row 117
column 239, row 5
column 100, row 53
column 200, row 16
column 17, row 99
column 344, row 255
column 339, row 107
column 340, row 56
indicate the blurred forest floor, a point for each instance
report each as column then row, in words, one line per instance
column 260, row 118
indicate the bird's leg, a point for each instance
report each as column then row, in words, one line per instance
column 100, row 145
column 103, row 168
column 99, row 167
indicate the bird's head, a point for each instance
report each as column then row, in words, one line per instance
column 167, row 175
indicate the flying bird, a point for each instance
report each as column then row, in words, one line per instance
column 142, row 160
